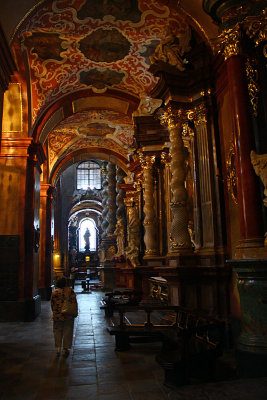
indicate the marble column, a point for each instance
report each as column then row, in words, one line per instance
column 150, row 236
column 249, row 204
column 179, row 238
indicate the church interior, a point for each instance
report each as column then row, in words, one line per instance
column 133, row 159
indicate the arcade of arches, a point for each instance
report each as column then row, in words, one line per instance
column 145, row 121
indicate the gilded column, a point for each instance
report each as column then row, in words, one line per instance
column 250, row 217
column 179, row 238
column 150, row 236
column 111, row 217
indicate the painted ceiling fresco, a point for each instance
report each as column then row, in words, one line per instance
column 76, row 44
column 102, row 129
column 73, row 45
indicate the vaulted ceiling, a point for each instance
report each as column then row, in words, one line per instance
column 96, row 55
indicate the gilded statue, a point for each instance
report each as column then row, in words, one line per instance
column 172, row 48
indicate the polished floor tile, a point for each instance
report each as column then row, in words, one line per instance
column 30, row 370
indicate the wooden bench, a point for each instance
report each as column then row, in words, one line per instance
column 117, row 297
column 191, row 342
column 192, row 351
column 127, row 332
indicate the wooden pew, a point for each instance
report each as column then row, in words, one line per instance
column 191, row 343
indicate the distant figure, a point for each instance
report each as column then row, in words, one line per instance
column 86, row 239
column 62, row 324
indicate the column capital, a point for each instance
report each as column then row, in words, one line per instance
column 166, row 158
column 198, row 114
column 228, row 43
column 171, row 116
column 147, row 161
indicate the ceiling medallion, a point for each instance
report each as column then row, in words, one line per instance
column 95, row 129
column 104, row 45
column 101, row 79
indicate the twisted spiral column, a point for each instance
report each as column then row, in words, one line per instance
column 104, row 195
column 179, row 238
column 121, row 209
column 111, row 217
column 150, row 237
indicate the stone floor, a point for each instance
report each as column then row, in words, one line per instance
column 30, row 370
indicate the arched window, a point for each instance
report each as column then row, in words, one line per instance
column 88, row 175
column 90, row 224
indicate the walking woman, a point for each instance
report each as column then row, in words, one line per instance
column 62, row 323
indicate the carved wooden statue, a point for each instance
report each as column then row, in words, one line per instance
column 172, row 48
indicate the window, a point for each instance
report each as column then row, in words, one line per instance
column 88, row 175
column 90, row 224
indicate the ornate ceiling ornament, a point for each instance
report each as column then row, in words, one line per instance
column 105, row 45
column 172, row 48
column 147, row 105
column 228, row 42
column 231, row 173
column 253, row 87
column 256, row 27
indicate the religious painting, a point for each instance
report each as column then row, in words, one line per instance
column 101, row 79
column 45, row 45
column 96, row 129
column 125, row 10
column 105, row 45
